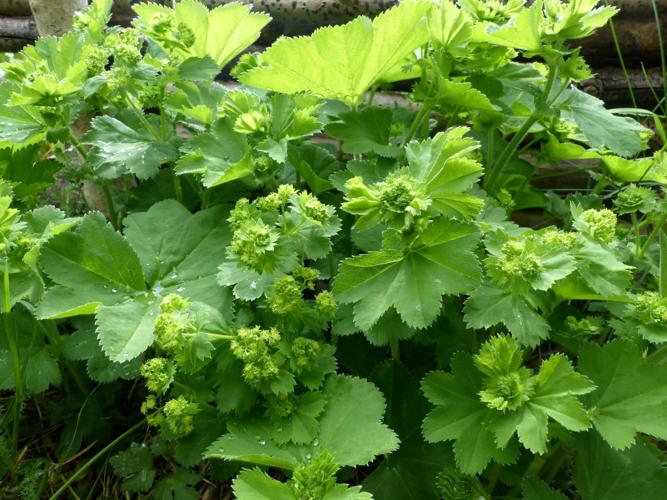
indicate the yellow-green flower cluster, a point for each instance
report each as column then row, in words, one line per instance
column 287, row 296
column 126, row 46
column 313, row 209
column 635, row 199
column 172, row 323
column 255, row 348
column 179, row 415
column 304, row 353
column 507, row 385
column 307, row 275
column 281, row 406
column 494, row 11
column 151, row 410
column 600, row 224
column 312, row 480
column 252, row 241
column 159, row 373
column 583, row 326
column 397, row 201
column 650, row 308
column 559, row 240
column 325, row 303
column 515, row 261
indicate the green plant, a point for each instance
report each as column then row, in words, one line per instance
column 284, row 289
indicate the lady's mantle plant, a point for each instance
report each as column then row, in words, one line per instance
column 295, row 290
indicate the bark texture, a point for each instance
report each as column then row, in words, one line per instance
column 54, row 17
column 610, row 85
column 18, row 27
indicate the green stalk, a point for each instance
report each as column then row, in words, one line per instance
column 54, row 339
column 635, row 226
column 661, row 45
column 656, row 229
column 498, row 166
column 142, row 118
column 77, row 145
column 90, row 462
column 621, row 60
column 416, row 122
column 663, row 264
column 105, row 188
column 395, row 349
column 110, row 206
column 651, row 87
column 490, row 142
column 177, row 187
column 331, row 265
column 16, row 360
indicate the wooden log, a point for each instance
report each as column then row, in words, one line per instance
column 635, row 25
column 15, row 8
column 13, row 44
column 610, row 85
column 18, row 27
column 637, row 34
column 22, row 7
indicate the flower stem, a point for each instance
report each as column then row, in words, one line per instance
column 416, row 122
column 12, row 341
column 90, row 462
column 656, row 228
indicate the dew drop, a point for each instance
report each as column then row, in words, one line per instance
column 253, row 285
column 418, row 308
column 180, row 289
column 316, row 443
column 262, row 442
column 308, row 456
column 113, row 290
column 125, row 355
column 173, row 276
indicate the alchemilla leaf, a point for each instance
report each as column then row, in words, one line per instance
column 191, row 30
column 440, row 261
column 630, row 396
column 358, row 55
column 490, row 398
